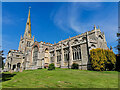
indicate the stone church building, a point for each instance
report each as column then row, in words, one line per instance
column 34, row 55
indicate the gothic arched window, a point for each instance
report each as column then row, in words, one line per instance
column 58, row 56
column 76, row 53
column 28, row 44
column 66, row 54
column 35, row 54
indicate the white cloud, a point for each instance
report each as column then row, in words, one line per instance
column 69, row 17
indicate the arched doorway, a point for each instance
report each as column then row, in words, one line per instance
column 35, row 54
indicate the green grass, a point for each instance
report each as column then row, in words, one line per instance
column 61, row 78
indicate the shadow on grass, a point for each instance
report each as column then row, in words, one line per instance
column 6, row 77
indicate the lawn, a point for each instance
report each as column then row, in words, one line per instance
column 60, row 78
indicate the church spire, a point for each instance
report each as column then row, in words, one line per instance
column 28, row 20
column 28, row 26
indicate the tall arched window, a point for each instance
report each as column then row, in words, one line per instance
column 35, row 55
column 28, row 43
column 66, row 54
column 58, row 56
column 76, row 53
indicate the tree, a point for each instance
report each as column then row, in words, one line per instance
column 111, row 60
column 102, row 59
column 1, row 59
column 118, row 62
column 118, row 48
column 94, row 59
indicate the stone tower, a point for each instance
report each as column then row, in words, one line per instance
column 26, row 41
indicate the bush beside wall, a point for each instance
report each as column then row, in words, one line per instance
column 102, row 60
column 75, row 66
column 51, row 66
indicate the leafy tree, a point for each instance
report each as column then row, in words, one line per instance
column 102, row 59
column 94, row 60
column 1, row 59
column 117, row 63
column 118, row 55
column 111, row 60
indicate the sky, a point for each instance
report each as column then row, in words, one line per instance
column 55, row 21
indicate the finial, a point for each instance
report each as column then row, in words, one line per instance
column 94, row 27
column 69, row 37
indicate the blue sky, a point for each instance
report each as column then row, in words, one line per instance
column 55, row 21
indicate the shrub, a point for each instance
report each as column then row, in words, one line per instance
column 51, row 66
column 75, row 66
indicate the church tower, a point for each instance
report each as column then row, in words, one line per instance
column 26, row 41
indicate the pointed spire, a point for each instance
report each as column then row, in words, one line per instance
column 28, row 26
column 29, row 23
column 28, row 20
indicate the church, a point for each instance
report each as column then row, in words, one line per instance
column 32, row 54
